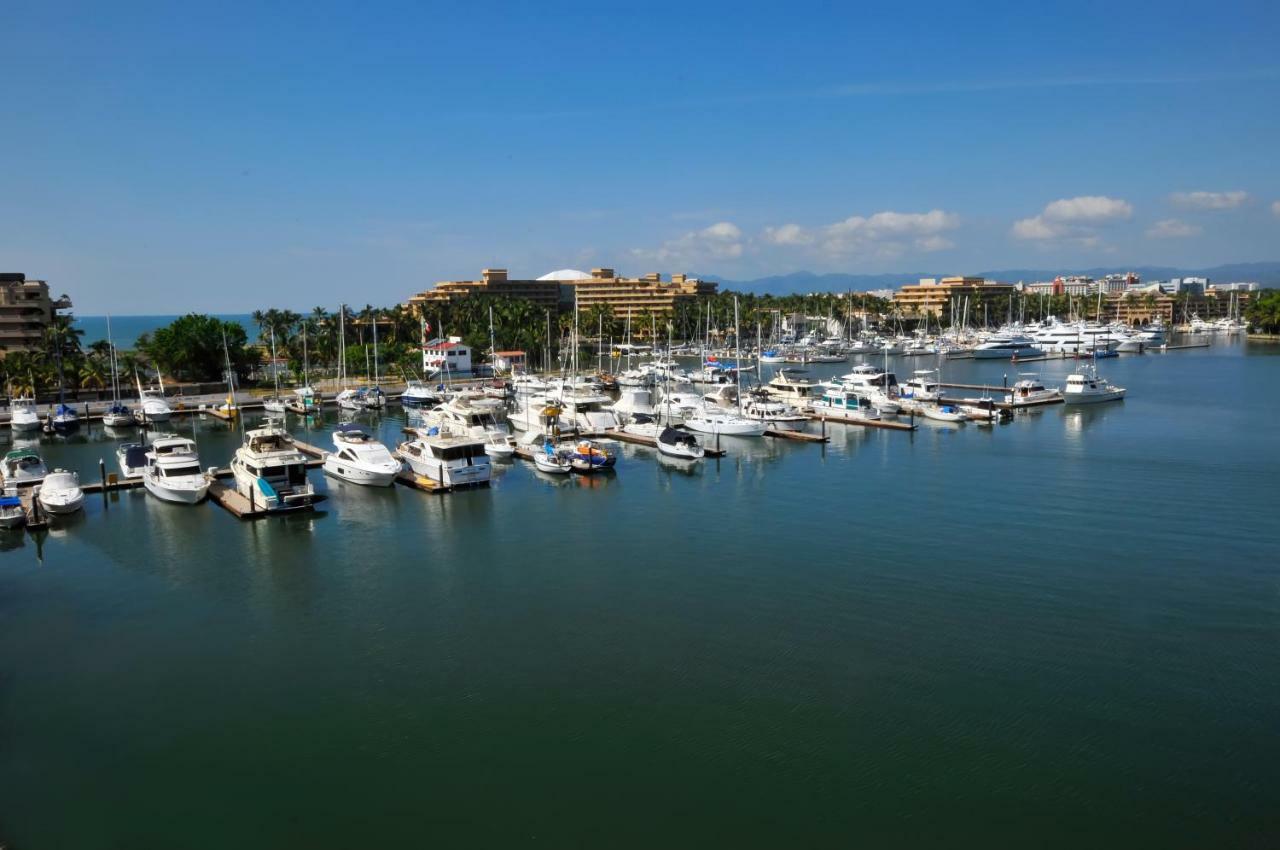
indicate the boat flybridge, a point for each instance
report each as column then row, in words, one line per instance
column 270, row 471
column 360, row 459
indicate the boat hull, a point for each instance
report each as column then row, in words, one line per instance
column 177, row 495
column 1093, row 398
column 60, row 505
column 343, row 470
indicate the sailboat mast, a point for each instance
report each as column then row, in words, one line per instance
column 737, row 354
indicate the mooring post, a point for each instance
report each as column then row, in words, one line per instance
column 102, row 476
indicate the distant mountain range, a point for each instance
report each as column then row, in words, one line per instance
column 1265, row 274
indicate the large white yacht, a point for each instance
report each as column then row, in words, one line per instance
column 775, row 414
column 717, row 420
column 791, row 385
column 1087, row 387
column 450, row 460
column 173, row 473
column 23, row 415
column 1077, row 338
column 360, row 459
column 1005, row 347
column 271, row 472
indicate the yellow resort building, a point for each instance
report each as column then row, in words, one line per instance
column 556, row 291
column 25, row 311
column 932, row 295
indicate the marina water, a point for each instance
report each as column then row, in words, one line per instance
column 1060, row 631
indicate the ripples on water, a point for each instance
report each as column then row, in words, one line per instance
column 1059, row 630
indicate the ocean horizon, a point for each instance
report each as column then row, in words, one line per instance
column 127, row 329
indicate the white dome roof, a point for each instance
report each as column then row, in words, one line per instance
column 565, row 274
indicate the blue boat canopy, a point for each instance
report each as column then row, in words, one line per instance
column 10, row 502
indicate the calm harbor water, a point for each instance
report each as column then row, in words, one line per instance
column 1056, row 632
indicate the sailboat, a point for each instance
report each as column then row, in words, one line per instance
column 118, row 414
column 305, row 393
column 228, row 407
column 347, row 398
column 712, row 419
column 62, row 418
column 274, row 403
column 374, row 397
column 152, row 406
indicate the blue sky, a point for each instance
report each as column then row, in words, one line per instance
column 160, row 158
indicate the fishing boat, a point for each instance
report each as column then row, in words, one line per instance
column 174, row 473
column 845, row 403
column 1028, row 390
column 450, row 460
column 23, row 414
column 152, row 406
column 552, row 461
column 22, row 468
column 360, row 459
column 1087, row 387
column 591, row 456
column 674, row 443
column 12, row 514
column 271, row 472
column 943, row 413
column 60, row 493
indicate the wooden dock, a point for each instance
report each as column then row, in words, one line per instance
column 886, row 424
column 651, row 443
column 410, row 479
column 798, row 436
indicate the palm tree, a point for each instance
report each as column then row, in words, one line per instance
column 92, row 375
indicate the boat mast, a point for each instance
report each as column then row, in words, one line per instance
column 115, row 380
column 275, row 366
column 375, row 350
column 342, row 345
column 306, row 363
column 737, row 355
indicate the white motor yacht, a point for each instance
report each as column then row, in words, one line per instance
column 174, row 473
column 1006, row 347
column 710, row 420
column 359, row 458
column 450, row 460
column 60, row 492
column 23, row 415
column 643, row 425
column 923, row 386
column 22, row 468
column 1087, row 387
column 791, row 385
column 845, row 403
column 776, row 414
column 271, row 472
column 1028, row 390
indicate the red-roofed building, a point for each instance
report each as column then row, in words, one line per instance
column 446, row 354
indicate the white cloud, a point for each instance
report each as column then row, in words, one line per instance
column 1073, row 219
column 720, row 241
column 787, row 234
column 888, row 234
column 1209, row 200
column 1172, row 228
column 1275, row 208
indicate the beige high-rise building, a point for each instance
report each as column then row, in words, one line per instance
column 25, row 311
column 556, row 291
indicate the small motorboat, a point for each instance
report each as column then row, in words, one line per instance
column 12, row 514
column 642, row 425
column 23, row 415
column 551, row 461
column 22, row 468
column 60, row 492
column 499, row 444
column 590, row 456
column 1088, row 387
column 681, row 444
column 944, row 413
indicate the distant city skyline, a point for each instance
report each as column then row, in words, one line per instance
column 227, row 158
